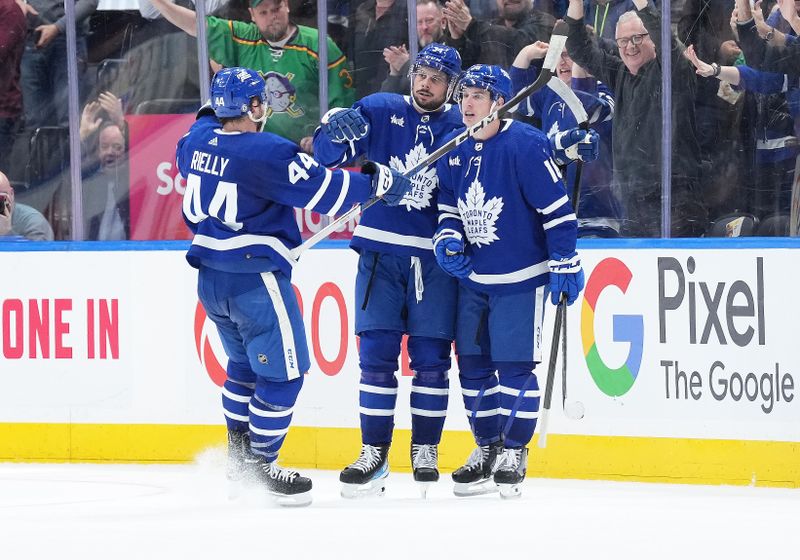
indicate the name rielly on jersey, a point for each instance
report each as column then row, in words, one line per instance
column 207, row 163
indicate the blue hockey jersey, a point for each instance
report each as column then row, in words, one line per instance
column 506, row 197
column 597, row 203
column 241, row 190
column 400, row 137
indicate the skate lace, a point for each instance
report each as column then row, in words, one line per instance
column 277, row 472
column 477, row 457
column 424, row 456
column 370, row 456
column 508, row 459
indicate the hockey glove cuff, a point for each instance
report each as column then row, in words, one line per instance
column 575, row 144
column 387, row 184
column 344, row 125
column 449, row 248
column 566, row 277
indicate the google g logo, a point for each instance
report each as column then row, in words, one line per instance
column 626, row 328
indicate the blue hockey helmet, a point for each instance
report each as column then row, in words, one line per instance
column 484, row 76
column 441, row 57
column 233, row 88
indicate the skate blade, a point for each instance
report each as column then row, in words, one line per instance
column 375, row 487
column 423, row 489
column 510, row 491
column 464, row 489
column 302, row 499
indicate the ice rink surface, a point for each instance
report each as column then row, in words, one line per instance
column 156, row 512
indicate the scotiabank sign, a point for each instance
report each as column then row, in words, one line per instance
column 157, row 188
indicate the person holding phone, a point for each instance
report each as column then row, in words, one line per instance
column 20, row 220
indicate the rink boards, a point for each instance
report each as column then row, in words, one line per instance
column 684, row 355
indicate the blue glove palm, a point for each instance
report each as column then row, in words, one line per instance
column 575, row 144
column 449, row 251
column 387, row 184
column 566, row 277
column 344, row 125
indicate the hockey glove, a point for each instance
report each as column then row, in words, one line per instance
column 387, row 184
column 574, row 144
column 448, row 247
column 344, row 125
column 566, row 277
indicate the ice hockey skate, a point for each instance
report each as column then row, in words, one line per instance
column 366, row 477
column 240, row 463
column 424, row 462
column 512, row 464
column 475, row 477
column 286, row 486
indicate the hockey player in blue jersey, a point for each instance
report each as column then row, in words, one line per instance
column 599, row 212
column 241, row 187
column 507, row 231
column 399, row 287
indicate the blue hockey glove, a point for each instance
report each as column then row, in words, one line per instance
column 387, row 184
column 448, row 247
column 344, row 125
column 574, row 144
column 566, row 277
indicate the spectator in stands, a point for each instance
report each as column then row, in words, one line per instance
column 20, row 220
column 106, row 196
column 107, row 108
column 635, row 78
column 499, row 40
column 12, row 43
column 430, row 29
column 44, row 62
column 602, row 15
column 376, row 24
column 284, row 53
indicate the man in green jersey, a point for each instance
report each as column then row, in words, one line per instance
column 286, row 56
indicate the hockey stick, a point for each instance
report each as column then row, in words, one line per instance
column 557, row 42
column 551, row 373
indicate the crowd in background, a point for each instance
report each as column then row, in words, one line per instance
column 734, row 94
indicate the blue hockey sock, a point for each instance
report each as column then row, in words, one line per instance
column 428, row 406
column 479, row 388
column 377, row 395
column 271, row 413
column 519, row 402
column 237, row 391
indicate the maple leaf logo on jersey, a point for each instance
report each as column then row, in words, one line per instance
column 424, row 182
column 479, row 217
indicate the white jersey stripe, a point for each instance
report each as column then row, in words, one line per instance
column 511, row 277
column 270, row 413
column 533, row 393
column 558, row 221
column 555, row 206
column 320, row 192
column 474, row 392
column 339, row 201
column 393, row 238
column 483, row 413
column 233, row 416
column 429, row 413
column 290, row 356
column 244, row 241
column 375, row 411
column 377, row 390
column 234, row 397
column 262, row 432
column 429, row 390
column 520, row 414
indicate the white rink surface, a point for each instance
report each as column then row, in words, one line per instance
column 155, row 512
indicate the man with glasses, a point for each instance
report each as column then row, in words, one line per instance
column 399, row 287
column 635, row 78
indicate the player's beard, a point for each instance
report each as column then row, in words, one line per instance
column 428, row 103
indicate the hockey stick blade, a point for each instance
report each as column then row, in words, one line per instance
column 557, row 42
